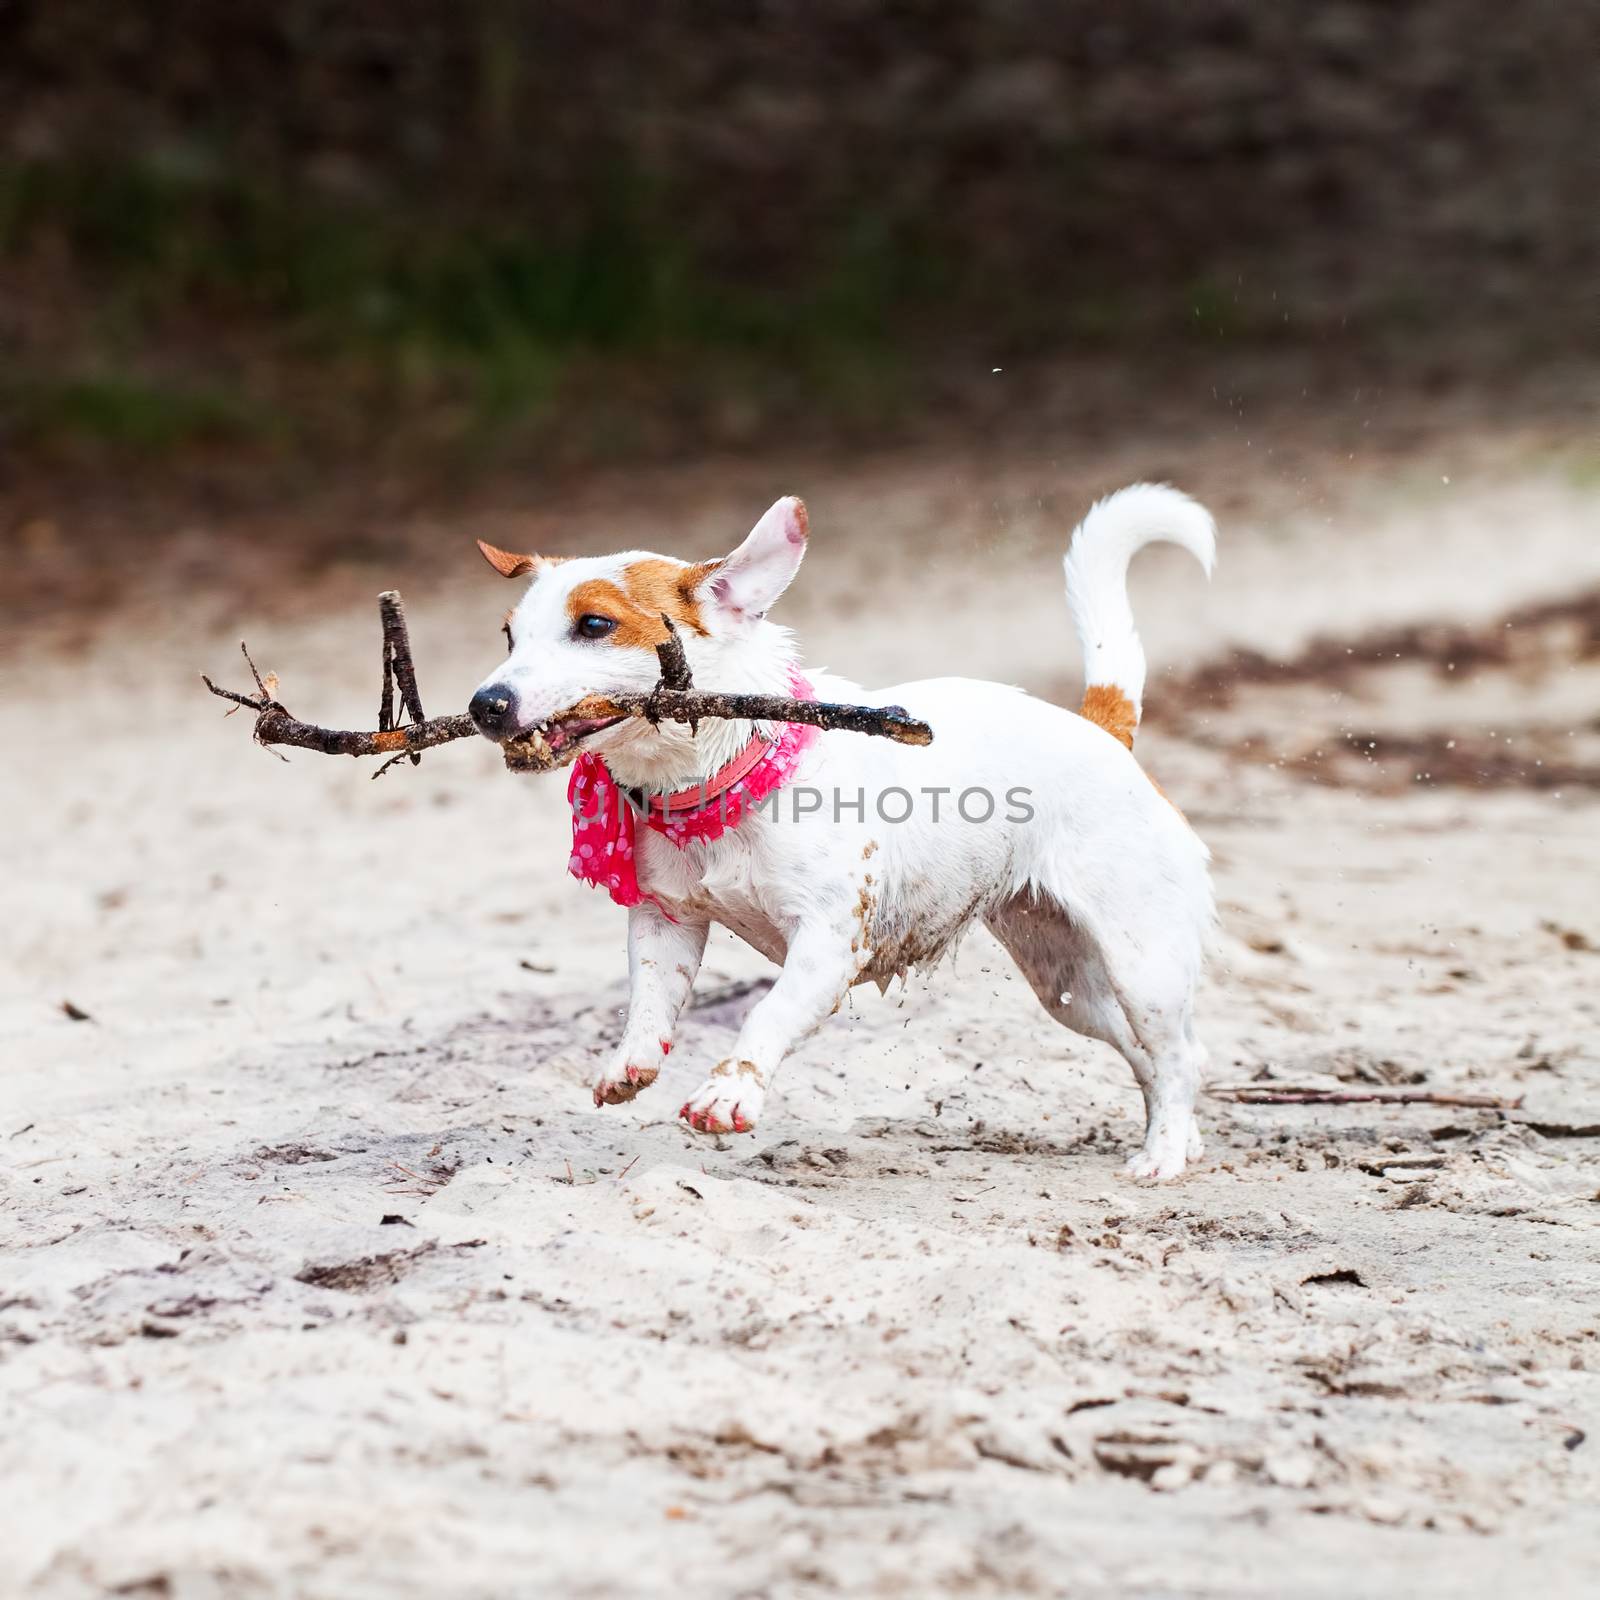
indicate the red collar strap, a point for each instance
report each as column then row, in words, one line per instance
column 603, row 835
column 702, row 794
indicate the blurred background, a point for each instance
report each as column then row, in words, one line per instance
column 342, row 264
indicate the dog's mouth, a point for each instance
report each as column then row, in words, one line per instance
column 556, row 741
column 559, row 735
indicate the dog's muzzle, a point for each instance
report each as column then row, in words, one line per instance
column 494, row 709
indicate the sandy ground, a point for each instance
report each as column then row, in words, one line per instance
column 320, row 1275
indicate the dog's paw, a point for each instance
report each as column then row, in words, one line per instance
column 622, row 1081
column 1161, row 1157
column 1153, row 1168
column 729, row 1101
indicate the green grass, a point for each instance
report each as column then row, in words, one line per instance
column 171, row 235
column 356, row 318
column 486, row 319
column 125, row 412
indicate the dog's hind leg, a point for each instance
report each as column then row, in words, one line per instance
column 1140, row 1008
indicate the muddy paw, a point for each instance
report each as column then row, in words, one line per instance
column 729, row 1101
column 619, row 1083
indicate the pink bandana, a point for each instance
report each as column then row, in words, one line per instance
column 603, row 818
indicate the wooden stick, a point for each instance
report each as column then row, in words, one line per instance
column 275, row 726
column 398, row 670
column 397, row 648
column 675, row 673
column 674, row 699
column 696, row 705
column 1266, row 1095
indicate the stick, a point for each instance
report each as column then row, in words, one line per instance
column 1267, row 1095
column 274, row 726
column 675, row 672
column 695, row 705
column 398, row 668
column 386, row 694
column 674, row 699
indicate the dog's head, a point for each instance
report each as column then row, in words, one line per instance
column 587, row 628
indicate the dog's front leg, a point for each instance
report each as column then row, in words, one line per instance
column 817, row 973
column 663, row 958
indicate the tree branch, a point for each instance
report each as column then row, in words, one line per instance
column 674, row 699
column 1267, row 1094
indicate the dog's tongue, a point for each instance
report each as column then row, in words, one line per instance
column 565, row 732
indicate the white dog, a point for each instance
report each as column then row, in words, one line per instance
column 1033, row 818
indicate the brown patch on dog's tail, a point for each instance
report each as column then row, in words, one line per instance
column 1105, row 705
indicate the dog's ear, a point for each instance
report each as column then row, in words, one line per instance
column 744, row 585
column 508, row 565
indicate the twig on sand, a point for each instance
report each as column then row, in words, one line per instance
column 674, row 699
column 415, row 1183
column 1266, row 1094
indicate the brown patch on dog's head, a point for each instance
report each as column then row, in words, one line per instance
column 660, row 586
column 650, row 589
column 509, row 565
column 1105, row 705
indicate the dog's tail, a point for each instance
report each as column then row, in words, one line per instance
column 1097, row 591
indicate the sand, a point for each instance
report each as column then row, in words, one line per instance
column 320, row 1275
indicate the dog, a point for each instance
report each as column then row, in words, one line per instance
column 1091, row 879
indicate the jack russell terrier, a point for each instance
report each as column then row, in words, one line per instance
column 1069, row 854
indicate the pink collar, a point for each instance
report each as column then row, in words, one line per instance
column 699, row 795
column 603, row 813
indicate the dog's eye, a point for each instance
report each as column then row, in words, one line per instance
column 505, row 628
column 591, row 626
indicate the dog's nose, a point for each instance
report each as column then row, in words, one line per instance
column 493, row 708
